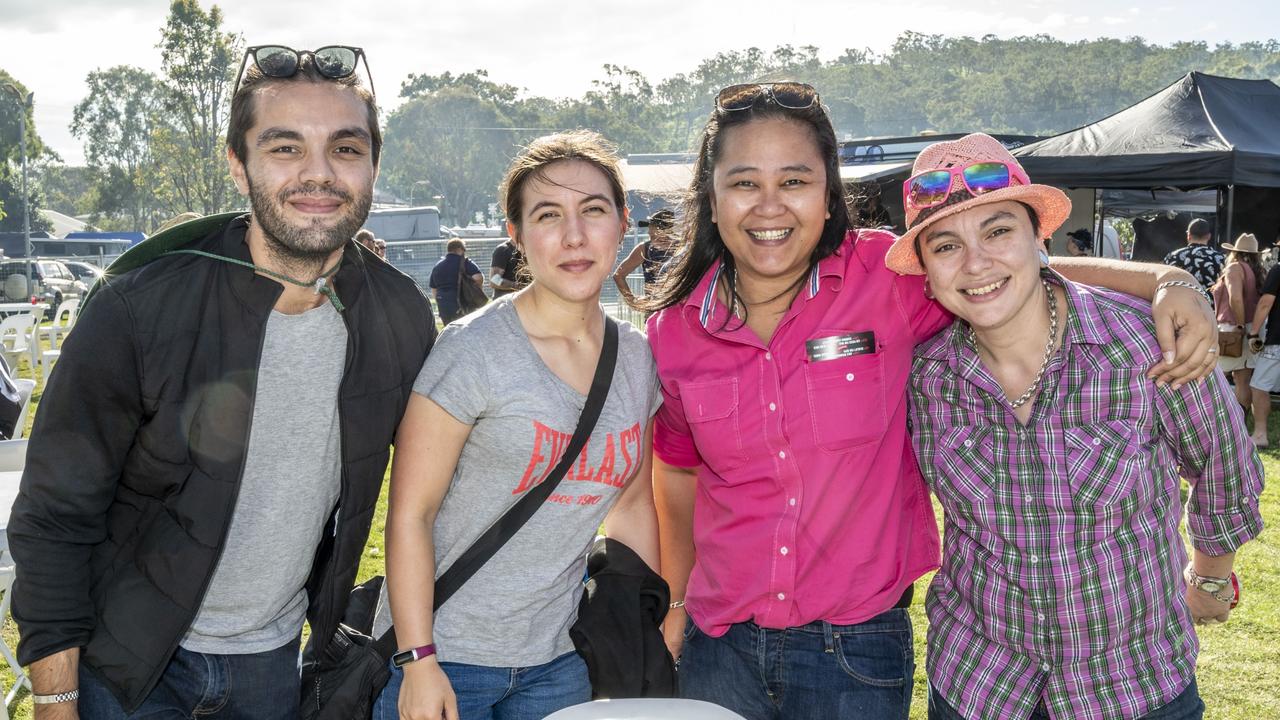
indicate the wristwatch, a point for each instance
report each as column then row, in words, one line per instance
column 1225, row 590
column 401, row 659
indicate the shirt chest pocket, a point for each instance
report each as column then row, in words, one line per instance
column 1104, row 462
column 966, row 468
column 846, row 401
column 711, row 409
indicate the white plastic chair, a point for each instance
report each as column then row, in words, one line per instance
column 645, row 709
column 13, row 457
column 25, row 388
column 69, row 309
column 16, row 333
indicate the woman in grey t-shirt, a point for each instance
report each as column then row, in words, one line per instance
column 493, row 409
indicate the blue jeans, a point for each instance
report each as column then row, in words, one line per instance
column 261, row 686
column 818, row 671
column 1187, row 706
column 503, row 693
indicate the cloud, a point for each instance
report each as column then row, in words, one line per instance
column 44, row 17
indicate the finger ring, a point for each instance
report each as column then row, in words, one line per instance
column 1212, row 349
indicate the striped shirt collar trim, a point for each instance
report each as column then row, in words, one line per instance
column 709, row 295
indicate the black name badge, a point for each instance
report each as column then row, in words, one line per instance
column 840, row 346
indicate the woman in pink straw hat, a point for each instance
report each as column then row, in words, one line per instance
column 1064, row 590
column 783, row 346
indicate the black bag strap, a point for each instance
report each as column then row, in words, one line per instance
column 505, row 527
column 462, row 277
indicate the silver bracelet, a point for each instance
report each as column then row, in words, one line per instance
column 1190, row 286
column 61, row 697
column 677, row 604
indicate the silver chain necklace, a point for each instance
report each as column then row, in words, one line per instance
column 1048, row 349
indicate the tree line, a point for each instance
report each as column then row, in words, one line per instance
column 154, row 143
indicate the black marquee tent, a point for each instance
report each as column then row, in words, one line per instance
column 1203, row 132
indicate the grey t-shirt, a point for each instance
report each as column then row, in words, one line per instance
column 516, row 611
column 256, row 600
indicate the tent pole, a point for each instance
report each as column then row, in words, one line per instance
column 1231, row 208
column 1097, row 222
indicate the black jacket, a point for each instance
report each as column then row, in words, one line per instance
column 617, row 631
column 135, row 458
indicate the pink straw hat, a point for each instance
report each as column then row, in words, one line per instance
column 1051, row 204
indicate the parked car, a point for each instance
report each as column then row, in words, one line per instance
column 85, row 272
column 53, row 282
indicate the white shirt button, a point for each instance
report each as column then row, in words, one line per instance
column 1045, row 667
column 849, row 377
column 968, row 443
column 1035, row 559
column 792, row 502
column 772, row 407
column 768, row 356
column 1097, row 441
column 1040, row 617
column 783, row 550
column 1029, row 498
column 782, row 454
column 782, row 596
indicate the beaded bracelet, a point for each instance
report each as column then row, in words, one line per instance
column 1189, row 285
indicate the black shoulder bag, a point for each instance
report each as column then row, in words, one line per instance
column 470, row 295
column 344, row 679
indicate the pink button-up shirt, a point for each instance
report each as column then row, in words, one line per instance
column 810, row 505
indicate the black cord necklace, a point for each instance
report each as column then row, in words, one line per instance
column 321, row 284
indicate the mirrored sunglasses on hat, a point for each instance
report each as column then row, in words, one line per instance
column 790, row 95
column 932, row 187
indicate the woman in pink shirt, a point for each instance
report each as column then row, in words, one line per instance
column 783, row 346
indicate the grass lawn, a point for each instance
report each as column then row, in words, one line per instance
column 1239, row 666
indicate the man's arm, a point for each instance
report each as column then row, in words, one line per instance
column 54, row 674
column 1185, row 323
column 498, row 268
column 1265, row 303
column 87, row 422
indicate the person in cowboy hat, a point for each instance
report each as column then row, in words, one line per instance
column 1236, row 294
column 1064, row 590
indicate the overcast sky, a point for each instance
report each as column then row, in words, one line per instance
column 557, row 49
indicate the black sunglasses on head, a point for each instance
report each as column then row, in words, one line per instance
column 790, row 95
column 332, row 61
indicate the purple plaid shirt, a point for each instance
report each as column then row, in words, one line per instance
column 1061, row 574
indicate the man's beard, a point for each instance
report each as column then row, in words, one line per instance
column 306, row 247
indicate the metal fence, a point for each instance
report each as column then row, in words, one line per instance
column 416, row 258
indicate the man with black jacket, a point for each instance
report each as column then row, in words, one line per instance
column 206, row 459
